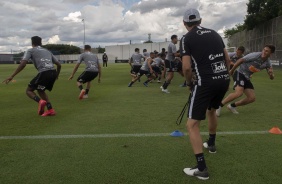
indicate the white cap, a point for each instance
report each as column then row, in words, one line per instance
column 191, row 15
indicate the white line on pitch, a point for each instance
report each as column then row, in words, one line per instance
column 121, row 135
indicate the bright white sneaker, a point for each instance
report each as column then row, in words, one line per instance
column 85, row 96
column 161, row 88
column 232, row 109
column 217, row 112
column 202, row 175
column 159, row 81
column 165, row 91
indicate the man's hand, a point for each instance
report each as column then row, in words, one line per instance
column 6, row 81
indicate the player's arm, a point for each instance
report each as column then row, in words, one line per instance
column 270, row 73
column 130, row 62
column 238, row 63
column 18, row 70
column 74, row 70
column 149, row 65
column 58, row 64
column 227, row 59
column 187, row 70
column 99, row 73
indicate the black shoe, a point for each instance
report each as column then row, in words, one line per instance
column 212, row 148
column 202, row 175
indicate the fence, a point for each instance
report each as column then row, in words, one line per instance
column 269, row 32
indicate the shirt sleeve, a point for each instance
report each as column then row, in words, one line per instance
column 27, row 55
column 251, row 57
column 185, row 47
column 80, row 58
column 54, row 59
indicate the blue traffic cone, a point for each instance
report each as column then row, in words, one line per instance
column 176, row 133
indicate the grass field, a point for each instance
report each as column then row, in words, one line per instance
column 114, row 109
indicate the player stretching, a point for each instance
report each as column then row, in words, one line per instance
column 249, row 64
column 43, row 61
column 170, row 62
column 92, row 70
column 146, row 69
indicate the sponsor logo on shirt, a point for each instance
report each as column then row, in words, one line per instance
column 225, row 76
column 218, row 67
column 253, row 69
column 212, row 57
column 201, row 32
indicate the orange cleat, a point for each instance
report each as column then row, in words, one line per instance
column 50, row 112
column 41, row 106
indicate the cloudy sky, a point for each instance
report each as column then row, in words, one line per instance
column 107, row 22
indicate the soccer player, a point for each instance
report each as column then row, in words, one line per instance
column 146, row 69
column 136, row 59
column 204, row 50
column 92, row 70
column 43, row 61
column 234, row 56
column 249, row 64
column 146, row 54
column 157, row 64
column 105, row 60
column 170, row 63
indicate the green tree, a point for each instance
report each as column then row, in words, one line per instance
column 100, row 49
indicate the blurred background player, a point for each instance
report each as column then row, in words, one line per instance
column 105, row 59
column 170, row 63
column 92, row 70
column 249, row 64
column 158, row 64
column 43, row 61
column 147, row 70
column 135, row 63
column 234, row 56
column 146, row 54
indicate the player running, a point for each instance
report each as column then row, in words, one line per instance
column 136, row 59
column 92, row 70
column 147, row 70
column 157, row 64
column 170, row 64
column 43, row 61
column 249, row 64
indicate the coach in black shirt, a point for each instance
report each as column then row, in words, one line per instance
column 205, row 53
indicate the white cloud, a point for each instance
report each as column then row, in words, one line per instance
column 107, row 21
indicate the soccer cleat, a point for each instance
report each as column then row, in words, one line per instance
column 50, row 112
column 129, row 84
column 211, row 148
column 182, row 85
column 82, row 92
column 41, row 106
column 85, row 96
column 217, row 112
column 161, row 87
column 145, row 84
column 202, row 175
column 232, row 109
column 159, row 81
column 165, row 91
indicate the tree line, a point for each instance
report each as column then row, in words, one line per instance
column 258, row 11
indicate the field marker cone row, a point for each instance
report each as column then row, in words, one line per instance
column 275, row 130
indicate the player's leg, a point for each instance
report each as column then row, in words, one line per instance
column 88, row 85
column 80, row 81
column 250, row 98
column 139, row 75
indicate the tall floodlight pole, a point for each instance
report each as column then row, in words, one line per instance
column 83, row 32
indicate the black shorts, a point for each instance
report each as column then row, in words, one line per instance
column 144, row 72
column 135, row 69
column 206, row 96
column 157, row 69
column 242, row 81
column 87, row 76
column 44, row 80
column 171, row 66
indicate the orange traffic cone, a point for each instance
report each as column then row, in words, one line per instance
column 275, row 130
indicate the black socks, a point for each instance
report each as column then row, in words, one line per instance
column 201, row 161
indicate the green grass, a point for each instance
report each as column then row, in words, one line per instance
column 113, row 108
